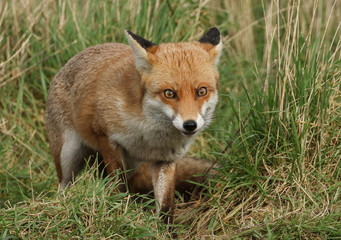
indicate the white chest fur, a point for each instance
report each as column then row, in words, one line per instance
column 152, row 140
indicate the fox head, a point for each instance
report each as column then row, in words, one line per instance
column 180, row 79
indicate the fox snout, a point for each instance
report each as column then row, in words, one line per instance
column 189, row 127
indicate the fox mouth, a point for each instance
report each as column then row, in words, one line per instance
column 187, row 133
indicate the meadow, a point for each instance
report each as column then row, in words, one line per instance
column 276, row 132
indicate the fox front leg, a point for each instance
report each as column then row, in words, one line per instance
column 163, row 178
column 111, row 157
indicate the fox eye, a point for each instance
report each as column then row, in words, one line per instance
column 201, row 92
column 169, row 93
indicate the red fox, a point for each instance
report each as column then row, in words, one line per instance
column 137, row 104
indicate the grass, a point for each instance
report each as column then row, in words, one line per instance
column 278, row 113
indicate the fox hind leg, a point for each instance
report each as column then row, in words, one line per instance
column 72, row 157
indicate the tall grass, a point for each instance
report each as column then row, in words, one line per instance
column 279, row 115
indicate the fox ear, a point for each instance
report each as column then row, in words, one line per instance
column 213, row 39
column 140, row 48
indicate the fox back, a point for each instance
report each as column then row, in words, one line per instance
column 136, row 103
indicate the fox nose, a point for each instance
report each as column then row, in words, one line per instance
column 190, row 125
